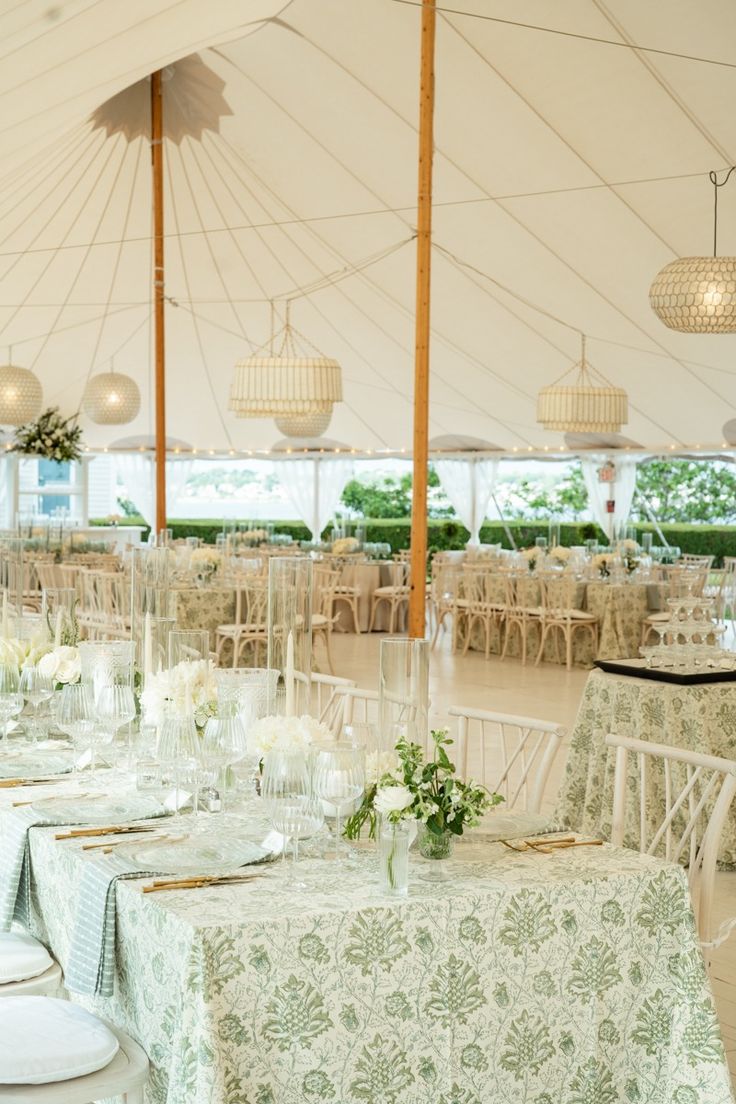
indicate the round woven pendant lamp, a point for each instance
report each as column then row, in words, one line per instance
column 21, row 395
column 582, row 407
column 286, row 384
column 698, row 294
column 111, row 398
column 304, row 425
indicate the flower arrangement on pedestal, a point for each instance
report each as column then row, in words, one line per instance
column 532, row 556
column 630, row 553
column 604, row 562
column 205, row 562
column 276, row 733
column 51, row 437
column 560, row 555
column 188, row 685
column 345, row 546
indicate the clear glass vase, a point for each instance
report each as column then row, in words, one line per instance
column 290, row 629
column 393, row 857
column 403, row 692
column 436, row 848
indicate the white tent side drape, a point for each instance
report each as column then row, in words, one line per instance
column 177, row 474
column 137, row 472
column 314, row 487
column 469, row 485
column 622, row 491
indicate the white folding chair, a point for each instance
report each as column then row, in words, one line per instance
column 698, row 791
column 525, row 746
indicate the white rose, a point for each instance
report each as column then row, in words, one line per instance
column 392, row 799
column 48, row 665
column 70, row 665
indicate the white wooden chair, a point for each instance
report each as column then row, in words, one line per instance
column 482, row 608
column 324, row 689
column 124, row 1077
column 250, row 625
column 698, row 791
column 323, row 619
column 26, row 956
column 519, row 614
column 396, row 595
column 524, row 748
column 351, row 705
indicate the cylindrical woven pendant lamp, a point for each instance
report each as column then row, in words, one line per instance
column 698, row 294
column 21, row 395
column 111, row 398
column 582, row 407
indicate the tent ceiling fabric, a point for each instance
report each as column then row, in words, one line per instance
column 567, row 171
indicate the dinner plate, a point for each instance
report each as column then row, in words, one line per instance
column 37, row 765
column 97, row 810
column 193, row 856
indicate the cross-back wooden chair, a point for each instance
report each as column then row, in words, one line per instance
column 513, row 755
column 698, row 791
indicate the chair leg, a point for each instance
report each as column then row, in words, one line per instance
column 542, row 638
column 568, row 647
column 327, row 636
column 356, row 618
column 374, row 607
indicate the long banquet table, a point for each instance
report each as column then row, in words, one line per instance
column 573, row 978
column 700, row 717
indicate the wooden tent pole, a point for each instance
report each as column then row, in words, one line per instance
column 157, row 165
column 417, row 598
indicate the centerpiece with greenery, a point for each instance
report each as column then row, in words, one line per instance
column 426, row 791
column 51, row 437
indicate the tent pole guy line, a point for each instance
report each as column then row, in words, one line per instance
column 417, row 597
column 157, row 166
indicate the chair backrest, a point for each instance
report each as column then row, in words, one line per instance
column 324, row 582
column 324, row 691
column 514, row 754
column 690, row 559
column 352, row 705
column 560, row 595
column 698, row 790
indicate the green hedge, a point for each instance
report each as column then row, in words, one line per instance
column 714, row 540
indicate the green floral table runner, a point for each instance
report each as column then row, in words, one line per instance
column 701, row 718
column 566, row 979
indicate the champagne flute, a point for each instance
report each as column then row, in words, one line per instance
column 339, row 782
column 11, row 700
column 286, row 790
column 36, row 688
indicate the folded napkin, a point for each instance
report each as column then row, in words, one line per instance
column 496, row 826
column 91, row 968
column 15, row 868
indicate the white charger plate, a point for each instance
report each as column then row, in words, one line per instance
column 97, row 810
column 193, row 856
column 35, row 765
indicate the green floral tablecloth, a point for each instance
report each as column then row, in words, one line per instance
column 621, row 609
column 702, row 718
column 524, row 979
column 204, row 608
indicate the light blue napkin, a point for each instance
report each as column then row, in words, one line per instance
column 15, row 868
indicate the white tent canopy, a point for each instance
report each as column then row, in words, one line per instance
column 569, row 169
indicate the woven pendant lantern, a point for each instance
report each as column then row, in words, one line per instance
column 304, row 425
column 21, row 395
column 111, row 398
column 582, row 407
column 698, row 294
column 286, row 384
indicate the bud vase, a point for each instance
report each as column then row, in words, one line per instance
column 435, row 848
column 393, row 857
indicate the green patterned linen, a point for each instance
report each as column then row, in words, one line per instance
column 701, row 718
column 524, row 979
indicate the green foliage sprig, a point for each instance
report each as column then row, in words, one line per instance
column 51, row 437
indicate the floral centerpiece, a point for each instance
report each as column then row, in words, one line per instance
column 62, row 665
column 22, row 653
column 276, row 733
column 205, row 562
column 560, row 554
column 630, row 553
column 253, row 537
column 345, row 546
column 428, row 791
column 603, row 562
column 532, row 556
column 51, row 437
column 190, row 684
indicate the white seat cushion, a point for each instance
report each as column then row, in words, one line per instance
column 44, row 1040
column 22, row 957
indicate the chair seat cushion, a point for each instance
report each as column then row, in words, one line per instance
column 44, row 1040
column 319, row 621
column 347, row 591
column 22, row 957
column 571, row 615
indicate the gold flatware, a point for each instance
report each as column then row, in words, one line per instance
column 107, row 846
column 71, row 797
column 10, row 783
column 549, row 846
column 200, row 883
column 107, row 830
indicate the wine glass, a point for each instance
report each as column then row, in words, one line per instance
column 115, row 706
column 75, row 715
column 224, row 743
column 178, row 753
column 339, row 781
column 36, row 688
column 11, row 700
column 290, row 805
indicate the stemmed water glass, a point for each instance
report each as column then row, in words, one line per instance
column 11, row 700
column 339, row 782
column 75, row 715
column 224, row 743
column 179, row 754
column 115, row 706
column 36, row 688
column 286, row 789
